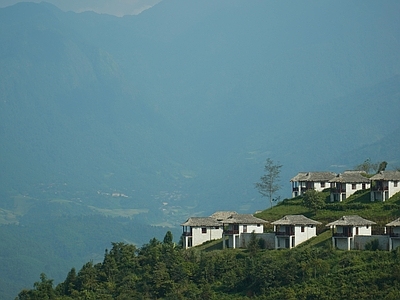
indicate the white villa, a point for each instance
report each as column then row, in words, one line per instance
column 304, row 181
column 384, row 185
column 237, row 226
column 221, row 224
column 393, row 230
column 347, row 228
column 292, row 230
column 346, row 184
column 197, row 230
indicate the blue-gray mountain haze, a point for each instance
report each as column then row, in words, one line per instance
column 174, row 111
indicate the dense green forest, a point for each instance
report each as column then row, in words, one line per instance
column 56, row 243
column 161, row 270
column 313, row 270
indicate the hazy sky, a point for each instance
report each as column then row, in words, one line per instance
column 115, row 7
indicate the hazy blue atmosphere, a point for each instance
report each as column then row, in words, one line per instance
column 156, row 116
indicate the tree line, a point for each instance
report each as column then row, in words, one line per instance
column 163, row 270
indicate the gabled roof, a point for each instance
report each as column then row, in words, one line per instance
column 351, row 221
column 223, row 215
column 244, row 219
column 387, row 175
column 201, row 221
column 295, row 220
column 394, row 223
column 351, row 177
column 313, row 176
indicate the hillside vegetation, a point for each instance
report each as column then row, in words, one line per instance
column 314, row 270
column 357, row 204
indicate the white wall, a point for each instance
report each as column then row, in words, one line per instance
column 363, row 230
column 318, row 186
column 392, row 189
column 341, row 243
column 359, row 186
column 300, row 237
column 199, row 238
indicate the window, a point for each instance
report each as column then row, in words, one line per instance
column 204, row 230
column 322, row 184
column 216, row 227
column 363, row 186
column 258, row 225
column 395, row 183
column 354, row 186
column 244, row 228
column 302, row 228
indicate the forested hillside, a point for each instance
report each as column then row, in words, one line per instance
column 312, row 270
column 161, row 270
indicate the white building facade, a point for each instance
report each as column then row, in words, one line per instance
column 346, row 184
column 293, row 230
column 197, row 230
column 347, row 228
column 384, row 185
column 239, row 224
column 304, row 181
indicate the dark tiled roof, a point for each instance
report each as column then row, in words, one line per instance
column 295, row 220
column 313, row 176
column 387, row 175
column 201, row 221
column 351, row 177
column 351, row 221
column 394, row 223
column 223, row 215
column 244, row 219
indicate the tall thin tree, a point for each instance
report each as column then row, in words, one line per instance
column 269, row 182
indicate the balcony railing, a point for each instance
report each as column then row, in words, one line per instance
column 284, row 233
column 349, row 234
column 337, row 191
column 187, row 234
column 379, row 188
column 231, row 231
column 394, row 235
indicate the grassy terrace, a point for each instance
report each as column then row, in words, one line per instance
column 357, row 204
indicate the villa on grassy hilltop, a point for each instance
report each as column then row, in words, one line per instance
column 347, row 183
column 293, row 230
column 393, row 230
column 236, row 230
column 237, row 227
column 221, row 224
column 346, row 230
column 304, row 181
column 384, row 185
column 197, row 230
